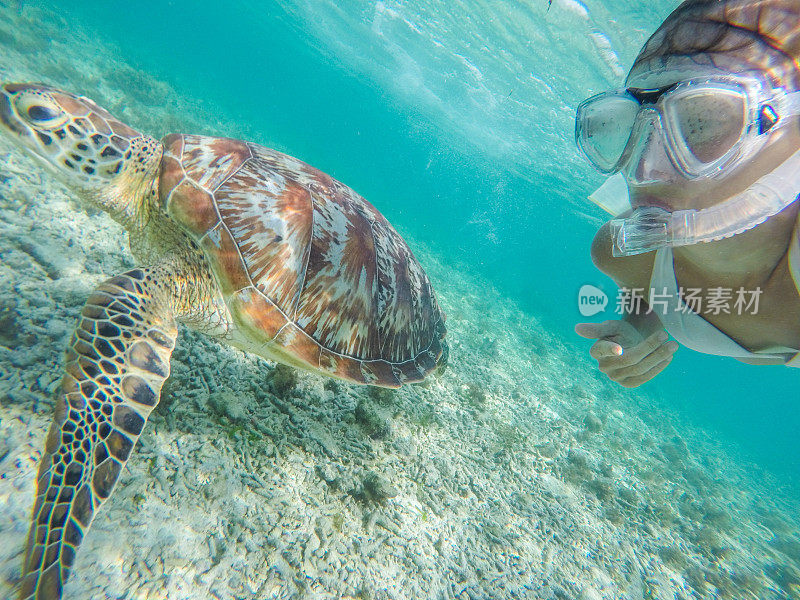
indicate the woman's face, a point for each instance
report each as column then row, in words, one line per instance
column 672, row 191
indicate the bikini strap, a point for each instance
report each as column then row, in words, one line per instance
column 794, row 257
column 794, row 269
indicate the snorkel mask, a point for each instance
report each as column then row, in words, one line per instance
column 737, row 64
column 704, row 128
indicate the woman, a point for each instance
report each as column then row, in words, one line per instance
column 707, row 136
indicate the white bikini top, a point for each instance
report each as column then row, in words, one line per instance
column 693, row 331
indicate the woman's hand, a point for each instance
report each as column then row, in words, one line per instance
column 624, row 354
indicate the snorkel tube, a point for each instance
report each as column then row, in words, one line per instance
column 649, row 228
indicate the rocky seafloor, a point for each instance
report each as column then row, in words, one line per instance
column 519, row 473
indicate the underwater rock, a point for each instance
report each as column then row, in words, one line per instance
column 675, row 450
column 474, row 394
column 590, row 593
column 673, row 557
column 737, row 584
column 690, row 508
column 328, row 474
column 719, row 580
column 547, row 449
column 695, row 577
column 606, row 469
column 524, row 501
column 8, row 323
column 228, row 404
column 614, row 515
column 717, row 517
column 592, row 423
column 602, row 487
column 710, row 543
column 284, row 380
column 383, row 396
column 579, row 458
column 628, row 496
column 373, row 424
column 376, row 488
column 696, row 477
column 216, row 548
column 332, row 385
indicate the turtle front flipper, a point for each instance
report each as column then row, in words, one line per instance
column 115, row 367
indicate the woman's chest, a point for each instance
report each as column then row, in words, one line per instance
column 757, row 312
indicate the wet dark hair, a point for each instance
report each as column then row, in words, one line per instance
column 729, row 35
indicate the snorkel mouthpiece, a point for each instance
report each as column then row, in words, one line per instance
column 646, row 229
column 649, row 227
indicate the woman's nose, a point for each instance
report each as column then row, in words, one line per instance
column 648, row 161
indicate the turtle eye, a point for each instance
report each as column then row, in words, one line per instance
column 40, row 111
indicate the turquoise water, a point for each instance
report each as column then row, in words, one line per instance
column 455, row 119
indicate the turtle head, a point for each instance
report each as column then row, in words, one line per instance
column 100, row 158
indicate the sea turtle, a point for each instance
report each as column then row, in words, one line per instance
column 248, row 245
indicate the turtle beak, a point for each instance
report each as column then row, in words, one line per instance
column 7, row 117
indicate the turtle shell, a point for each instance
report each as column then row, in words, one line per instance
column 312, row 273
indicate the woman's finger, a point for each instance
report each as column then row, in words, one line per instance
column 632, row 382
column 603, row 349
column 649, row 362
column 642, row 349
column 595, row 331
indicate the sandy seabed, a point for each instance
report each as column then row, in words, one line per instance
column 519, row 473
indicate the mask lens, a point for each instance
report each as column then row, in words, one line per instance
column 706, row 123
column 604, row 125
